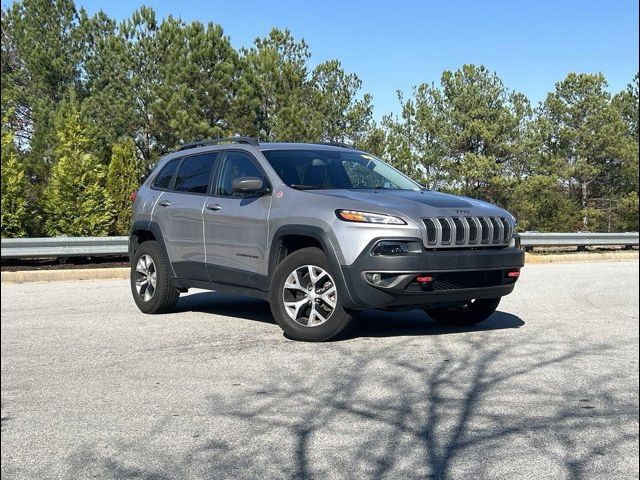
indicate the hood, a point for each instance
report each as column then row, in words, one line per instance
column 413, row 203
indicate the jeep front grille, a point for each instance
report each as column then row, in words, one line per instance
column 464, row 232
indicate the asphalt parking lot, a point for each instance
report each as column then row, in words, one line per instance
column 546, row 388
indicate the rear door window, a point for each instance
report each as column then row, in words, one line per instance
column 195, row 173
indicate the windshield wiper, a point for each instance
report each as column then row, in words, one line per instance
column 306, row 187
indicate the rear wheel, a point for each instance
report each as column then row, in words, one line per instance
column 305, row 299
column 474, row 311
column 151, row 284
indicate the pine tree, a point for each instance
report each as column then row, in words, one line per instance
column 40, row 62
column 590, row 136
column 274, row 99
column 463, row 135
column 75, row 201
column 626, row 182
column 123, row 178
column 15, row 207
column 344, row 117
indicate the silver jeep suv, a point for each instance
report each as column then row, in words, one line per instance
column 320, row 231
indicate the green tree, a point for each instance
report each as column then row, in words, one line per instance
column 590, row 138
column 123, row 178
column 540, row 203
column 194, row 55
column 627, row 213
column 410, row 138
column 626, row 182
column 15, row 205
column 279, row 98
column 160, row 83
column 40, row 62
column 466, row 134
column 274, row 99
column 109, row 109
column 343, row 116
column 627, row 103
column 374, row 140
column 75, row 201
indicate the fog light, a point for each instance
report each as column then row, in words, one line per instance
column 390, row 248
column 376, row 278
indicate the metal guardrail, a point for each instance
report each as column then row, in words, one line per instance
column 580, row 239
column 62, row 247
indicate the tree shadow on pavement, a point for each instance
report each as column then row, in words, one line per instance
column 393, row 416
column 483, row 406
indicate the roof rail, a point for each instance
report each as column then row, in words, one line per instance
column 337, row 144
column 218, row 141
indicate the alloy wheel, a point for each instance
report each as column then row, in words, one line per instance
column 146, row 277
column 309, row 295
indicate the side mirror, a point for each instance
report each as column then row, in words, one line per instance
column 248, row 185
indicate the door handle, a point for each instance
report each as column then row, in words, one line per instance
column 164, row 203
column 214, row 206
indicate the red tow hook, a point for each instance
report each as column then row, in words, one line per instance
column 515, row 273
column 424, row 279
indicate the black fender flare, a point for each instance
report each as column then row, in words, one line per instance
column 154, row 228
column 325, row 241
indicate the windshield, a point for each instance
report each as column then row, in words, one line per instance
column 335, row 169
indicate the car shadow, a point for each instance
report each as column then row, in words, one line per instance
column 369, row 323
column 377, row 323
column 229, row 305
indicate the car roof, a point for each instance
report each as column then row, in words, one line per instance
column 266, row 146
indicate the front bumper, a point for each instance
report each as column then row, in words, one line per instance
column 459, row 275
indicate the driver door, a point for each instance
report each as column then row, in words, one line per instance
column 236, row 225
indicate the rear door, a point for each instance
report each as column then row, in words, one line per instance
column 236, row 225
column 178, row 212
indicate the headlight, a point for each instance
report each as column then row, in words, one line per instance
column 368, row 217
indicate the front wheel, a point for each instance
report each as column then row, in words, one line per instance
column 474, row 311
column 304, row 298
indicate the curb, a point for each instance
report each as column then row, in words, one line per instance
column 72, row 275
column 581, row 257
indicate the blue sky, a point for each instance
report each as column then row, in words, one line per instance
column 396, row 45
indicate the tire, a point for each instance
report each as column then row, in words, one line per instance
column 309, row 315
column 161, row 298
column 475, row 311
